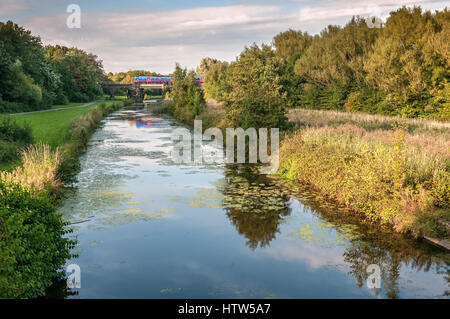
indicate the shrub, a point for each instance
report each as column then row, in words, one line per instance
column 12, row 132
column 188, row 100
column 8, row 151
column 32, row 243
column 13, row 137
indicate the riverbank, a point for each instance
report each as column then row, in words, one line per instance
column 48, row 128
column 391, row 177
column 389, row 170
column 134, row 210
column 31, row 193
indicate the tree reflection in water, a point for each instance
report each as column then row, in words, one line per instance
column 256, row 205
column 253, row 204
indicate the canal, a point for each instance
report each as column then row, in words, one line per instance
column 150, row 228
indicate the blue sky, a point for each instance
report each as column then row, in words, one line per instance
column 154, row 34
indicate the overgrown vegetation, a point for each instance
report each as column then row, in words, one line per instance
column 391, row 169
column 13, row 137
column 187, row 96
column 38, row 170
column 306, row 118
column 392, row 177
column 32, row 243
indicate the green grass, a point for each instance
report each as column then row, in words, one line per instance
column 71, row 104
column 51, row 127
column 9, row 166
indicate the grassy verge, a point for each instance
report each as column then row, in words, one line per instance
column 390, row 176
column 51, row 127
column 71, row 104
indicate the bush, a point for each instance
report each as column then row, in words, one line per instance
column 13, row 137
column 32, row 246
column 188, row 100
column 8, row 151
column 13, row 132
column 13, row 107
column 79, row 97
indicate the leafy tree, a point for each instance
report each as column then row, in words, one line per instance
column 215, row 78
column 187, row 96
column 291, row 44
column 205, row 65
column 80, row 72
column 410, row 60
column 33, row 77
column 253, row 96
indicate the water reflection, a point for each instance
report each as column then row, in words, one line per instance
column 154, row 228
column 253, row 204
column 257, row 206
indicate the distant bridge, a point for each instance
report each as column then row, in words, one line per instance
column 135, row 90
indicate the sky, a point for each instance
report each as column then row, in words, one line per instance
column 154, row 34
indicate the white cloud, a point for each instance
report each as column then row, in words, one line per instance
column 8, row 7
column 156, row 40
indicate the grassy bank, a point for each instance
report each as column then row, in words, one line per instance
column 389, row 170
column 51, row 127
column 32, row 245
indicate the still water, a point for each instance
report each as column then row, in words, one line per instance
column 149, row 228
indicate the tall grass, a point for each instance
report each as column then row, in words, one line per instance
column 39, row 169
column 392, row 177
column 308, row 118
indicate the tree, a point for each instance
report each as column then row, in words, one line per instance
column 291, row 44
column 187, row 96
column 214, row 81
column 410, row 59
column 253, row 96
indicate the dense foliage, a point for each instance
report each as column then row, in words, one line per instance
column 392, row 177
column 79, row 72
column 254, row 97
column 187, row 96
column 33, row 77
column 401, row 69
column 32, row 242
column 13, row 137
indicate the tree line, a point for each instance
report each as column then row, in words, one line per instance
column 33, row 76
column 402, row 68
